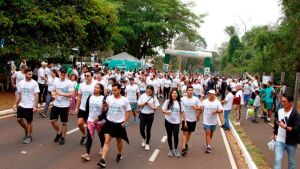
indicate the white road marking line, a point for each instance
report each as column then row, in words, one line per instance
column 72, row 131
column 154, row 155
column 164, row 139
column 7, row 116
column 229, row 152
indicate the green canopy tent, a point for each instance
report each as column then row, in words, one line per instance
column 123, row 60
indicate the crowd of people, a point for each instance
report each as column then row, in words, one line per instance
column 104, row 99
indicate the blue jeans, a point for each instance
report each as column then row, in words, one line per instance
column 247, row 98
column 48, row 100
column 226, row 118
column 279, row 151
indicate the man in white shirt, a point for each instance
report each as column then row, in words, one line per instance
column 227, row 105
column 132, row 92
column 42, row 80
column 85, row 90
column 62, row 92
column 192, row 106
column 212, row 107
column 27, row 103
column 17, row 77
column 117, row 117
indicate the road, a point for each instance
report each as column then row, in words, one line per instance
column 44, row 153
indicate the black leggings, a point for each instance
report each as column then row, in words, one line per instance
column 146, row 121
column 166, row 92
column 172, row 129
column 89, row 140
column 41, row 93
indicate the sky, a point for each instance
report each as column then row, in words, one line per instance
column 222, row 13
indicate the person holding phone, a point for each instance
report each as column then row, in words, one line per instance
column 286, row 133
column 148, row 103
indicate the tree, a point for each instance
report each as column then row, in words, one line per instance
column 147, row 24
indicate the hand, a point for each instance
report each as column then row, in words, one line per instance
column 168, row 113
column 35, row 109
column 146, row 103
column 123, row 124
column 76, row 111
column 281, row 124
column 198, row 118
column 214, row 112
column 185, row 125
column 15, row 107
column 273, row 137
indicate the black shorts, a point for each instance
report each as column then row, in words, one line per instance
column 26, row 113
column 59, row 111
column 191, row 126
column 83, row 114
column 115, row 130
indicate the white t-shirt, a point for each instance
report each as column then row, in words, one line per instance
column 47, row 71
column 41, row 73
column 82, row 78
column 233, row 85
column 167, row 83
column 256, row 101
column 64, row 87
column 229, row 100
column 240, row 93
column 18, row 75
column 50, row 83
column 132, row 91
column 209, row 107
column 153, row 83
column 142, row 86
column 183, row 90
column 174, row 118
column 153, row 101
column 27, row 90
column 85, row 91
column 198, row 89
column 190, row 113
column 282, row 115
column 175, row 83
column 247, row 89
column 95, row 108
column 117, row 108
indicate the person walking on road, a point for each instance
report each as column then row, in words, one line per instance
column 95, row 121
column 286, row 133
column 227, row 105
column 86, row 89
column 173, row 109
column 270, row 92
column 212, row 107
column 192, row 106
column 116, row 119
column 42, row 78
column 26, row 103
column 132, row 92
column 148, row 103
column 62, row 92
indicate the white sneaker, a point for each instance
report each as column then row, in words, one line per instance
column 237, row 123
column 147, row 147
column 143, row 143
column 86, row 157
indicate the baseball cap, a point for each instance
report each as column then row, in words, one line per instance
column 211, row 92
column 43, row 63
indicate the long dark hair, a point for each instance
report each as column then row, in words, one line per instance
column 171, row 102
column 101, row 87
column 150, row 87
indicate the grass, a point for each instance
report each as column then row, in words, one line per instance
column 253, row 150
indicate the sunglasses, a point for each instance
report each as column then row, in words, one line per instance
column 87, row 76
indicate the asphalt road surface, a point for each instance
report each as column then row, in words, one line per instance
column 44, row 153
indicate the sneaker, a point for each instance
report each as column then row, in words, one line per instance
column 86, row 157
column 101, row 163
column 147, row 147
column 223, row 126
column 226, row 128
column 143, row 143
column 119, row 158
column 268, row 119
column 208, row 149
column 184, row 152
column 27, row 140
column 135, row 120
column 177, row 153
column 171, row 153
column 25, row 136
column 82, row 140
column 62, row 141
column 58, row 136
column 237, row 123
column 43, row 114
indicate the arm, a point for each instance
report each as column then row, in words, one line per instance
column 36, row 101
column 13, row 81
column 251, row 77
column 78, row 103
column 18, row 98
column 127, row 115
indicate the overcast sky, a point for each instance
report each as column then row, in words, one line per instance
column 222, row 13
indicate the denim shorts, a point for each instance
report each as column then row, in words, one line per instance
column 133, row 107
column 209, row 127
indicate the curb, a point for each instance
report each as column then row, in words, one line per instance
column 12, row 111
column 251, row 164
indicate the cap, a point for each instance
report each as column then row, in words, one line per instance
column 63, row 69
column 211, row 92
column 43, row 63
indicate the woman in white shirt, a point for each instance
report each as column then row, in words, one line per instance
column 95, row 121
column 51, row 78
column 167, row 85
column 173, row 110
column 148, row 103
